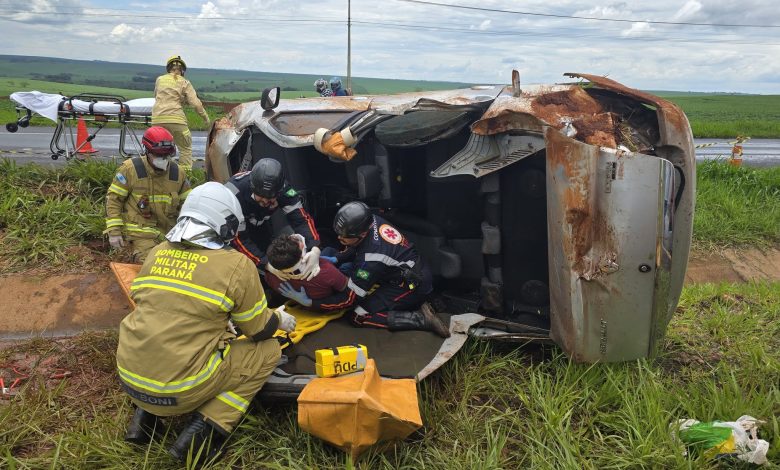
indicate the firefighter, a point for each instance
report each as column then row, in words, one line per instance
column 145, row 196
column 262, row 192
column 176, row 354
column 171, row 92
column 381, row 256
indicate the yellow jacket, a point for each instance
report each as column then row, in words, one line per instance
column 177, row 337
column 171, row 93
column 143, row 202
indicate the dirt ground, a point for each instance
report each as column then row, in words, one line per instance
column 734, row 265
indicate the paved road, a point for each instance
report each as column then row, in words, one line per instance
column 32, row 145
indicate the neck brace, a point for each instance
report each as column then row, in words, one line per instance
column 295, row 272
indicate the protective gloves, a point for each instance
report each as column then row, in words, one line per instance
column 286, row 321
column 116, row 241
column 299, row 296
column 311, row 264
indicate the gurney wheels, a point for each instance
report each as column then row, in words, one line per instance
column 55, row 156
column 12, row 127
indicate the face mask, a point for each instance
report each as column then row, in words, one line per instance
column 161, row 163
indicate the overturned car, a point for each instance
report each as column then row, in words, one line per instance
column 560, row 212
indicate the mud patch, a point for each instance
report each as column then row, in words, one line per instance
column 734, row 265
column 60, row 305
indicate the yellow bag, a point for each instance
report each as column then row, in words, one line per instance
column 356, row 411
column 341, row 360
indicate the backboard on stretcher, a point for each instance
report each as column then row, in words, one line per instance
column 91, row 107
column 306, row 321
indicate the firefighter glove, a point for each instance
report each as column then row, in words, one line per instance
column 116, row 241
column 299, row 296
column 286, row 321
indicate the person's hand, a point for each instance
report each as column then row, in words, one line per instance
column 286, row 321
column 280, row 274
column 299, row 296
column 311, row 264
column 116, row 241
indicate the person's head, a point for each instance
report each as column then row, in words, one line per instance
column 176, row 64
column 335, row 83
column 211, row 216
column 159, row 146
column 352, row 223
column 320, row 85
column 266, row 180
column 285, row 252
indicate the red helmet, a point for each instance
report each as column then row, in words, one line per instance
column 158, row 141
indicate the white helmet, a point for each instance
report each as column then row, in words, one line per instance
column 213, row 205
column 320, row 84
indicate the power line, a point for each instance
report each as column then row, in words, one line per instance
column 575, row 17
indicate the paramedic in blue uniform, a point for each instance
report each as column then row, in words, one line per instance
column 262, row 192
column 381, row 256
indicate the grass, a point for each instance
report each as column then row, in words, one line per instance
column 491, row 406
column 46, row 213
column 736, row 206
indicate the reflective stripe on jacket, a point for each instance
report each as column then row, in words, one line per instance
column 176, row 338
column 171, row 93
column 138, row 184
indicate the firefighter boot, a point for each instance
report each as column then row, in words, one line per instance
column 425, row 319
column 203, row 439
column 142, row 428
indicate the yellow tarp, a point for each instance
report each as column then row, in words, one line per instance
column 306, row 321
column 354, row 412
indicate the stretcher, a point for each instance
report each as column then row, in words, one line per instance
column 99, row 109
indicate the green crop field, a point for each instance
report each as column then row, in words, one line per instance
column 731, row 115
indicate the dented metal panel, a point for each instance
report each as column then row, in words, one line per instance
column 608, row 215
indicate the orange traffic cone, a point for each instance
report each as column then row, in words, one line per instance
column 82, row 144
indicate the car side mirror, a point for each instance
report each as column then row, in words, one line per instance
column 270, row 98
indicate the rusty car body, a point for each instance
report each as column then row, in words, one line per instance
column 561, row 212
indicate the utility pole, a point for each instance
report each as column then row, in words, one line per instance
column 349, row 46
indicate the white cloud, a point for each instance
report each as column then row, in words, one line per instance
column 43, row 11
column 127, row 34
column 209, row 10
column 637, row 29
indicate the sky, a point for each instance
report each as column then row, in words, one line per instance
column 684, row 45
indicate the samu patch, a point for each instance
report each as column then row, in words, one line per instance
column 121, row 178
column 291, row 192
column 362, row 274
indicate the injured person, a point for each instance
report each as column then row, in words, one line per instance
column 284, row 271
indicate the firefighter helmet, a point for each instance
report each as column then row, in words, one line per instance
column 215, row 205
column 267, row 178
column 175, row 59
column 158, row 142
column 352, row 220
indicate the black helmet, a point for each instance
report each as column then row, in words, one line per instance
column 352, row 220
column 267, row 178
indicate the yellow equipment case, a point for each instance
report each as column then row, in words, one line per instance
column 341, row 360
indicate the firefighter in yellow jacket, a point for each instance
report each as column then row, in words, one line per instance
column 176, row 354
column 171, row 92
column 144, row 198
